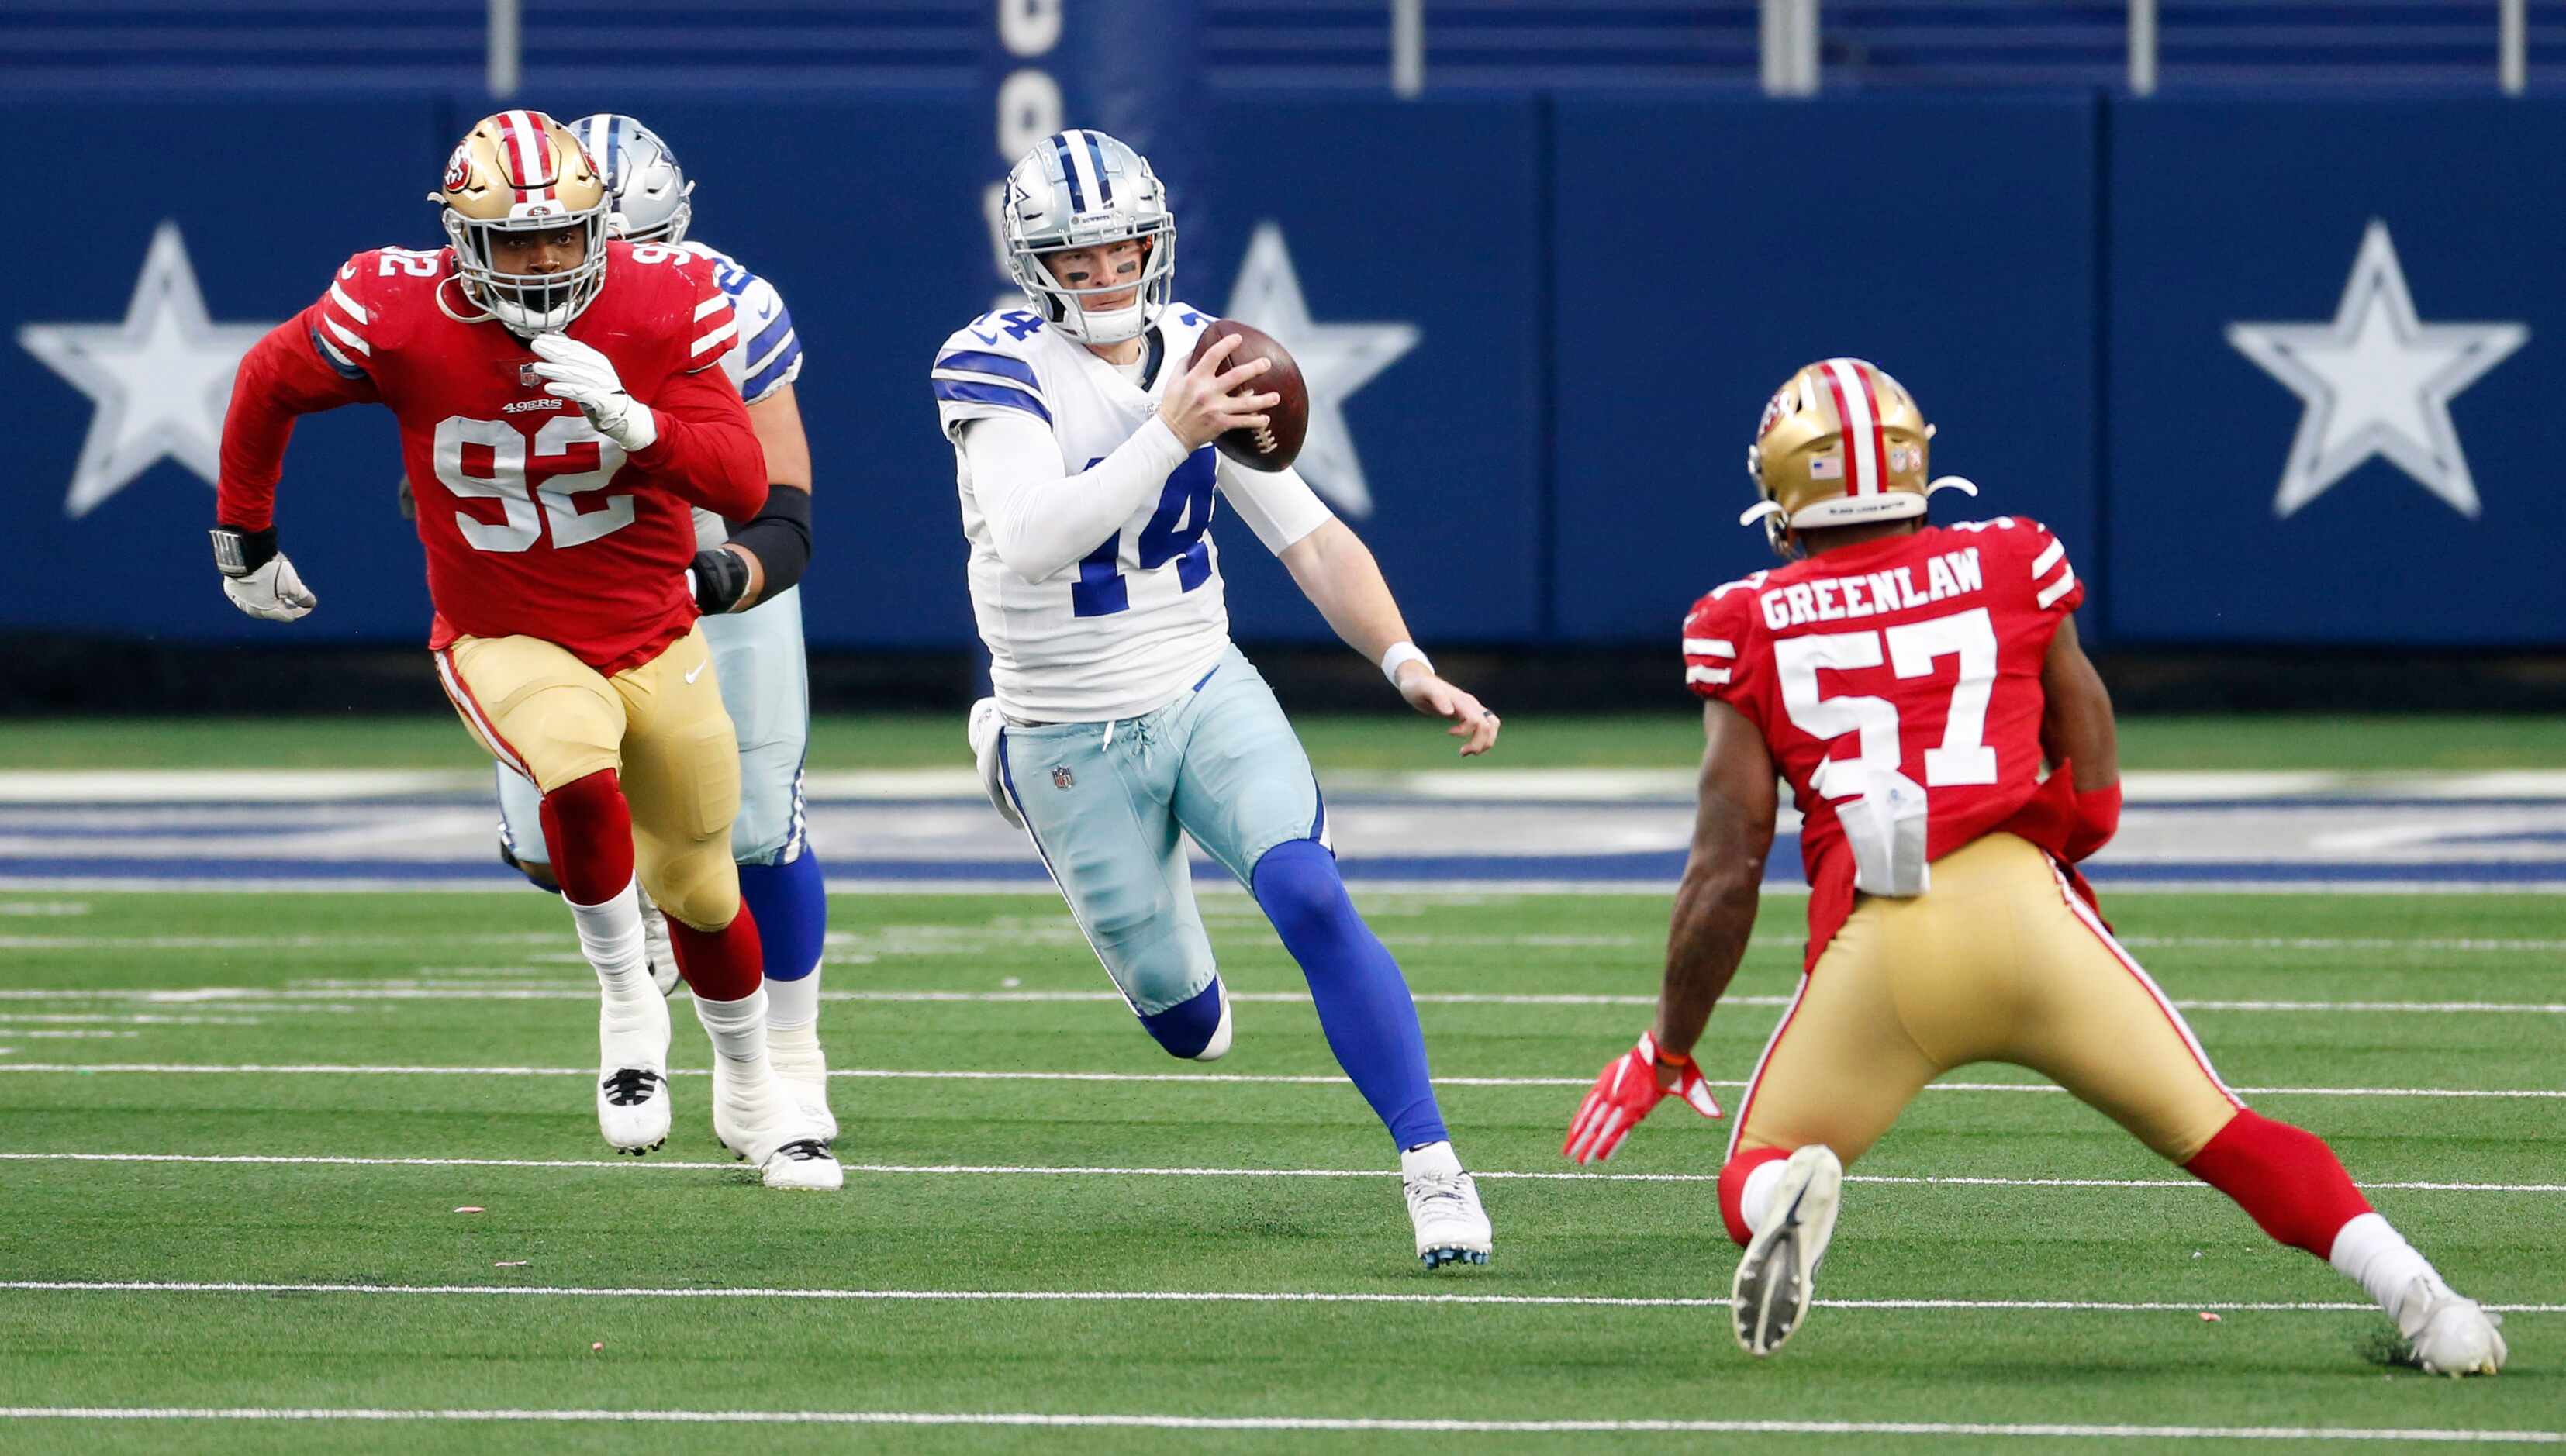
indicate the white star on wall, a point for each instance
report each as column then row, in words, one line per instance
column 160, row 379
column 1336, row 360
column 2377, row 382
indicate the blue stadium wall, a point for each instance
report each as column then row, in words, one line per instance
column 1577, row 307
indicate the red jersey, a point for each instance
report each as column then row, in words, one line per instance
column 535, row 524
column 1918, row 655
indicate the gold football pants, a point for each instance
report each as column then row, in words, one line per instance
column 1998, row 962
column 555, row 719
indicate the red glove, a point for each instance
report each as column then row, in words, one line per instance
column 1625, row 1093
column 2098, row 818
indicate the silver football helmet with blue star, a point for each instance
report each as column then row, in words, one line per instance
column 1081, row 189
column 649, row 188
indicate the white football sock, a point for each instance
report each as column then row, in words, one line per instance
column 738, row 1030
column 793, row 1003
column 1431, row 1157
column 2369, row 1250
column 1757, row 1198
column 610, row 935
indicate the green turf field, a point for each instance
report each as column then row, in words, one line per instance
column 1378, row 742
column 1026, row 1184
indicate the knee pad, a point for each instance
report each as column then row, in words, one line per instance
column 694, row 883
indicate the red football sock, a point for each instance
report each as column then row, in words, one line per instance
column 590, row 829
column 2286, row 1177
column 720, row 965
column 1732, row 1188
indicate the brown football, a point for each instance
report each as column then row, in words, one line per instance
column 1279, row 443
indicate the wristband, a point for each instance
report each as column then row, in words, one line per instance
column 238, row 553
column 718, row 579
column 1401, row 653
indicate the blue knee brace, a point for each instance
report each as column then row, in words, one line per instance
column 1363, row 1001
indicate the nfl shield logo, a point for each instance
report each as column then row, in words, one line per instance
column 526, row 375
column 1061, row 778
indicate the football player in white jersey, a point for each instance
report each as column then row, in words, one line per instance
column 1122, row 712
column 758, row 658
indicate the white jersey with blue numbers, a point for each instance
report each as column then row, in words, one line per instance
column 1141, row 618
column 764, row 357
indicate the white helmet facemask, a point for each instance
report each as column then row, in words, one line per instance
column 528, row 303
column 1084, row 189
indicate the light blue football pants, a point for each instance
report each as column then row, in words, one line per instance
column 1105, row 800
column 766, row 688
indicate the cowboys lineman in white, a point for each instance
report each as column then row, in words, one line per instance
column 758, row 658
column 1122, row 712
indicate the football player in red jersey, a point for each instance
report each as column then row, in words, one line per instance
column 562, row 406
column 1910, row 681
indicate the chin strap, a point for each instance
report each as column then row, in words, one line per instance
column 1960, row 483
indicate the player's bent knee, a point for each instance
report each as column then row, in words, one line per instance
column 697, row 886
column 1297, row 884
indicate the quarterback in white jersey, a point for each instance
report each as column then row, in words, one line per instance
column 1124, row 719
column 757, row 658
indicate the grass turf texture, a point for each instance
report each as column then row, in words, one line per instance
column 646, row 1224
column 1376, row 742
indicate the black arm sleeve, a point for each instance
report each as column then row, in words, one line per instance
column 780, row 538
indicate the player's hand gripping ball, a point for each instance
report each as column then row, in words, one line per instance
column 1288, row 423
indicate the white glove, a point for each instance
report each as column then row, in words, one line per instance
column 587, row 378
column 273, row 593
column 982, row 733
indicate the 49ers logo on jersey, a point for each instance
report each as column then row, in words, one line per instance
column 459, row 167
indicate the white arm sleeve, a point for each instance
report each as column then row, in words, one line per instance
column 1042, row 520
column 1278, row 505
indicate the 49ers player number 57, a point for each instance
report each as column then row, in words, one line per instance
column 561, row 407
column 1910, row 683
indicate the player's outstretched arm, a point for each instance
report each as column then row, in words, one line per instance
column 765, row 557
column 1715, row 910
column 1336, row 571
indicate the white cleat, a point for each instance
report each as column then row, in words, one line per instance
column 662, row 956
column 804, row 1069
column 1773, row 1286
column 2449, row 1334
column 756, row 1117
column 632, row 1072
column 1444, row 1204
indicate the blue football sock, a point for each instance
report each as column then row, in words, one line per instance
column 1186, row 1027
column 791, row 905
column 1363, row 1001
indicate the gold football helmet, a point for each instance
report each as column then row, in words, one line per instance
column 520, row 171
column 1840, row 443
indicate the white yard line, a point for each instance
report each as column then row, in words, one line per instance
column 1973, row 1431
column 849, row 879
column 1206, row 1296
column 567, row 990
column 304, row 1068
column 1077, row 1172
